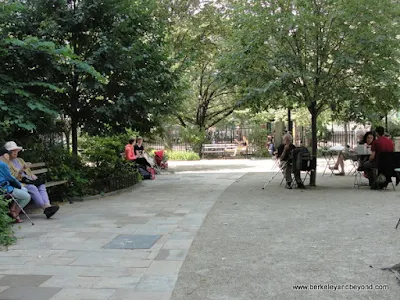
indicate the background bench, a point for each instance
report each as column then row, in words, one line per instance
column 40, row 168
column 222, row 149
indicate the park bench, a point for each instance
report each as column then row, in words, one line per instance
column 222, row 149
column 40, row 168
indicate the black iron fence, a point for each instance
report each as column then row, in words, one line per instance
column 257, row 137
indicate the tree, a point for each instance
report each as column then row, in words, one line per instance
column 317, row 53
column 121, row 39
column 28, row 78
column 197, row 42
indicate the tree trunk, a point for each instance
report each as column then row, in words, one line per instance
column 74, row 131
column 314, row 116
column 67, row 135
column 346, row 135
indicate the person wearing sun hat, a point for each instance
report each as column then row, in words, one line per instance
column 12, row 186
column 36, row 187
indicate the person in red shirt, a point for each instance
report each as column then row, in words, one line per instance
column 129, row 153
column 381, row 144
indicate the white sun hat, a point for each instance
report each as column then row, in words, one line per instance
column 10, row 146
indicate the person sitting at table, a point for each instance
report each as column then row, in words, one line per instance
column 36, row 187
column 367, row 140
column 347, row 154
column 284, row 155
column 381, row 144
column 12, row 186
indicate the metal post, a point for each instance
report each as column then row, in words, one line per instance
column 386, row 124
column 290, row 124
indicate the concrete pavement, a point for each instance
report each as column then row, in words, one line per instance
column 253, row 244
column 75, row 255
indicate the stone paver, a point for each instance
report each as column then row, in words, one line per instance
column 73, row 255
column 23, row 280
column 28, row 293
column 123, row 294
column 83, row 294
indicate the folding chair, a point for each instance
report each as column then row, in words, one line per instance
column 9, row 196
column 358, row 175
column 276, row 163
column 354, row 167
column 276, row 174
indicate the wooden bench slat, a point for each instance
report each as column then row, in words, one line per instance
column 37, row 165
column 54, row 183
column 40, row 171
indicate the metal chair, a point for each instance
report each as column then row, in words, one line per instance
column 281, row 168
column 354, row 166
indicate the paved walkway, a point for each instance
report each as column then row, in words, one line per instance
column 244, row 239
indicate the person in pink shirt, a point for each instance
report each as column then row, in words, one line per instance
column 129, row 150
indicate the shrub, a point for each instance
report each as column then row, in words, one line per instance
column 182, row 155
column 6, row 233
column 258, row 140
column 99, row 169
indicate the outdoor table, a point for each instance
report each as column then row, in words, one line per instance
column 330, row 155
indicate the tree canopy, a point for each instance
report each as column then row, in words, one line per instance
column 102, row 66
column 322, row 54
column 121, row 76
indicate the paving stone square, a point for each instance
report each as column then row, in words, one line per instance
column 156, row 283
column 125, row 241
column 131, row 294
column 83, row 294
column 173, row 255
column 28, row 293
column 23, row 280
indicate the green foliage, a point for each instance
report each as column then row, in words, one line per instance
column 6, row 233
column 103, row 150
column 193, row 136
column 258, row 140
column 102, row 65
column 199, row 41
column 182, row 155
column 101, row 168
column 322, row 55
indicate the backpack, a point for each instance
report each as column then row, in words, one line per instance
column 145, row 174
column 301, row 159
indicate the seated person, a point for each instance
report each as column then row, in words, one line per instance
column 20, row 170
column 12, row 186
column 242, row 145
column 351, row 154
column 129, row 150
column 141, row 158
column 284, row 155
column 381, row 144
column 367, row 140
column 270, row 145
